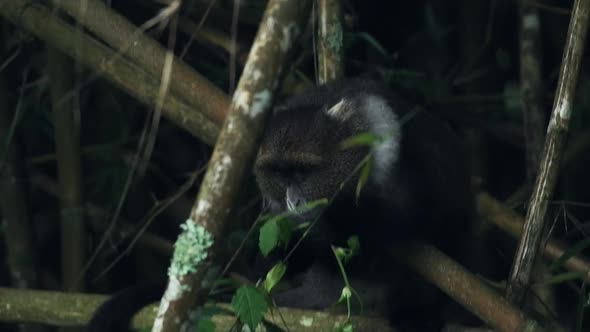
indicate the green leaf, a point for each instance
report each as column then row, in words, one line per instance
column 364, row 176
column 269, row 237
column 311, row 205
column 345, row 295
column 340, row 253
column 362, row 139
column 372, row 42
column 205, row 324
column 250, row 305
column 354, row 245
column 348, row 327
column 345, row 254
column 277, row 230
column 286, row 227
column 569, row 253
column 274, row 276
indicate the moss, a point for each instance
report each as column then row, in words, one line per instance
column 191, row 249
column 335, row 40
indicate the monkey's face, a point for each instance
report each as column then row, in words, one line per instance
column 301, row 159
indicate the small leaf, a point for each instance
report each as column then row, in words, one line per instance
column 364, row 176
column 250, row 305
column 269, row 237
column 345, row 295
column 274, row 276
column 348, row 327
column 372, row 42
column 354, row 245
column 302, row 225
column 286, row 227
column 363, row 139
column 311, row 205
column 205, row 325
column 569, row 253
column 340, row 253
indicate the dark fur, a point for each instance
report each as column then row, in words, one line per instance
column 115, row 313
column 427, row 196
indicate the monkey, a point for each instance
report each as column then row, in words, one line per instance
column 418, row 189
column 116, row 312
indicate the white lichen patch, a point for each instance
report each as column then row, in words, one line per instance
column 290, row 32
column 531, row 21
column 261, row 40
column 220, row 170
column 225, row 161
column 190, row 250
column 563, row 110
column 230, row 124
column 241, row 99
column 260, row 102
column 335, row 40
column 271, row 24
column 256, row 75
column 173, row 292
column 306, row 321
column 203, row 207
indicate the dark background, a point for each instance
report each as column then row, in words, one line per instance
column 459, row 58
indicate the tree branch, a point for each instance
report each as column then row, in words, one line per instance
column 40, row 21
column 232, row 159
column 520, row 276
column 149, row 54
column 465, row 288
column 330, row 43
column 75, row 309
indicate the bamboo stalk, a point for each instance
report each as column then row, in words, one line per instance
column 520, row 275
column 41, row 22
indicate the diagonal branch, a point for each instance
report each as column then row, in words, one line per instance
column 196, row 247
column 41, row 22
column 149, row 54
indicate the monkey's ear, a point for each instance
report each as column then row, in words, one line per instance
column 341, row 111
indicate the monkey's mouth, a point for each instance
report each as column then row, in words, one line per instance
column 300, row 208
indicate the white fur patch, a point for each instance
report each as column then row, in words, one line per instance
column 293, row 199
column 341, row 111
column 384, row 123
